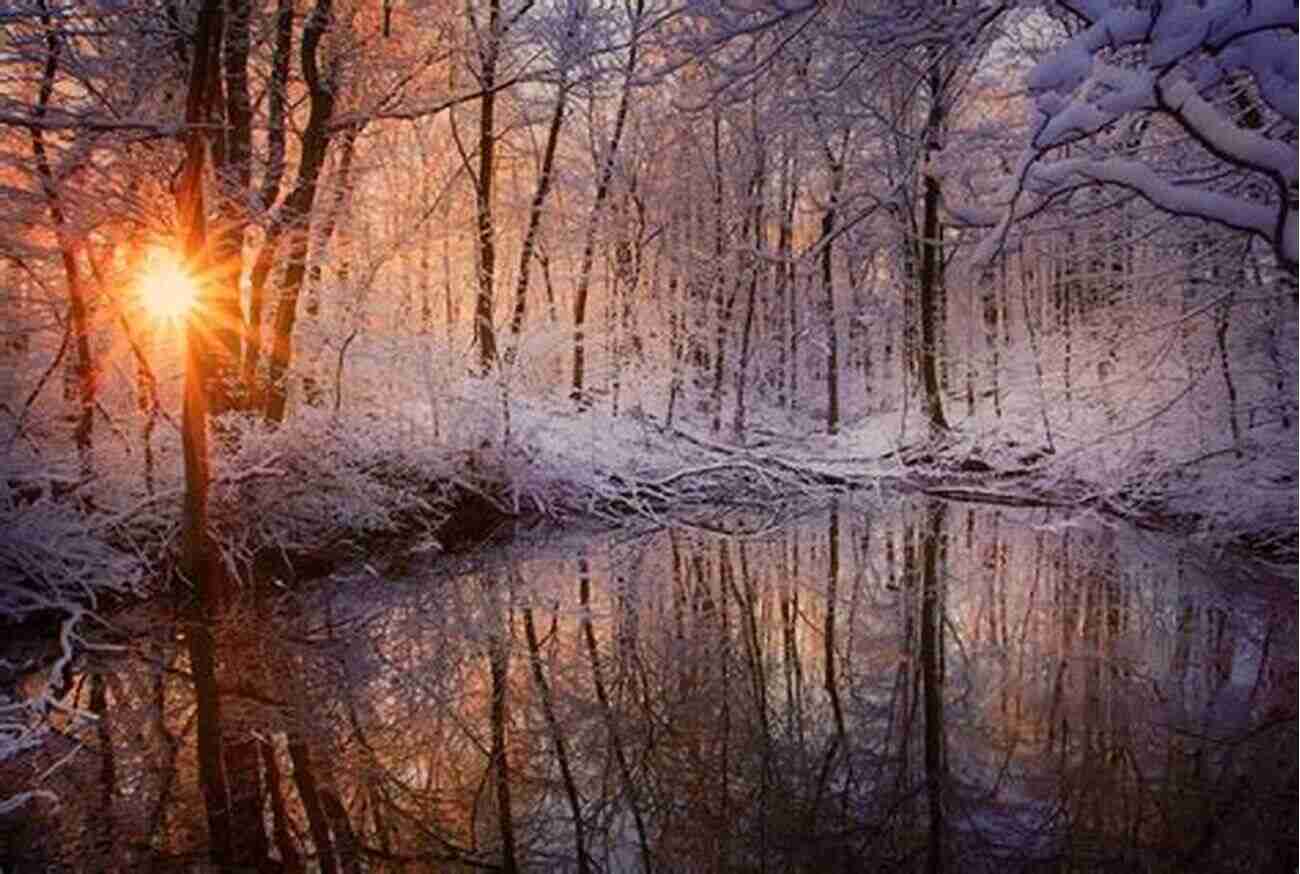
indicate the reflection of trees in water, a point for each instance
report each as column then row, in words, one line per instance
column 938, row 687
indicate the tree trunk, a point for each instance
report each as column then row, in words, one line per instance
column 828, row 288
column 284, row 842
column 781, row 279
column 227, row 766
column 607, row 713
column 932, row 613
column 792, row 664
column 1031, row 330
column 930, row 257
column 253, row 389
column 677, row 310
column 746, row 343
column 722, row 300
column 929, row 290
column 78, row 306
column 338, row 201
column 321, row 91
column 602, row 192
column 232, row 172
column 200, row 562
column 485, row 241
column 723, row 834
column 535, row 220
column 754, row 271
column 304, row 777
column 989, row 297
column 106, row 837
column 345, row 838
column 557, row 738
column 1222, row 320
column 499, row 664
column 313, row 394
column 276, row 98
column 829, row 654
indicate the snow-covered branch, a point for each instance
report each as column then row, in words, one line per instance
column 1177, row 199
column 1220, row 79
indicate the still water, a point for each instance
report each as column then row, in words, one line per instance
column 907, row 686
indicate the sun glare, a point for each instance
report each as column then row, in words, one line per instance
column 166, row 288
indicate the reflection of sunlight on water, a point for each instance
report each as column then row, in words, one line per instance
column 1095, row 693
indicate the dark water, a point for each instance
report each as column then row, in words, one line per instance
column 918, row 686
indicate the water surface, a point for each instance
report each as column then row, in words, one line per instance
column 910, row 686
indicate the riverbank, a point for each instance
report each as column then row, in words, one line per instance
column 293, row 503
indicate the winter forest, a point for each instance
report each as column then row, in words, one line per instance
column 648, row 435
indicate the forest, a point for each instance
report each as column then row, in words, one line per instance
column 300, row 294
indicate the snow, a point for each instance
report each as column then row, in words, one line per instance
column 1075, row 120
column 1272, row 58
column 1239, row 145
column 1182, row 200
column 1125, row 90
column 1173, row 61
column 1065, row 71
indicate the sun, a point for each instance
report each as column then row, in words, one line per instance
column 165, row 287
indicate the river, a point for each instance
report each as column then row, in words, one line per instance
column 896, row 684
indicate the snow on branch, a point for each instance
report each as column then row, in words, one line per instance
column 1234, row 144
column 1175, row 199
column 1222, row 77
